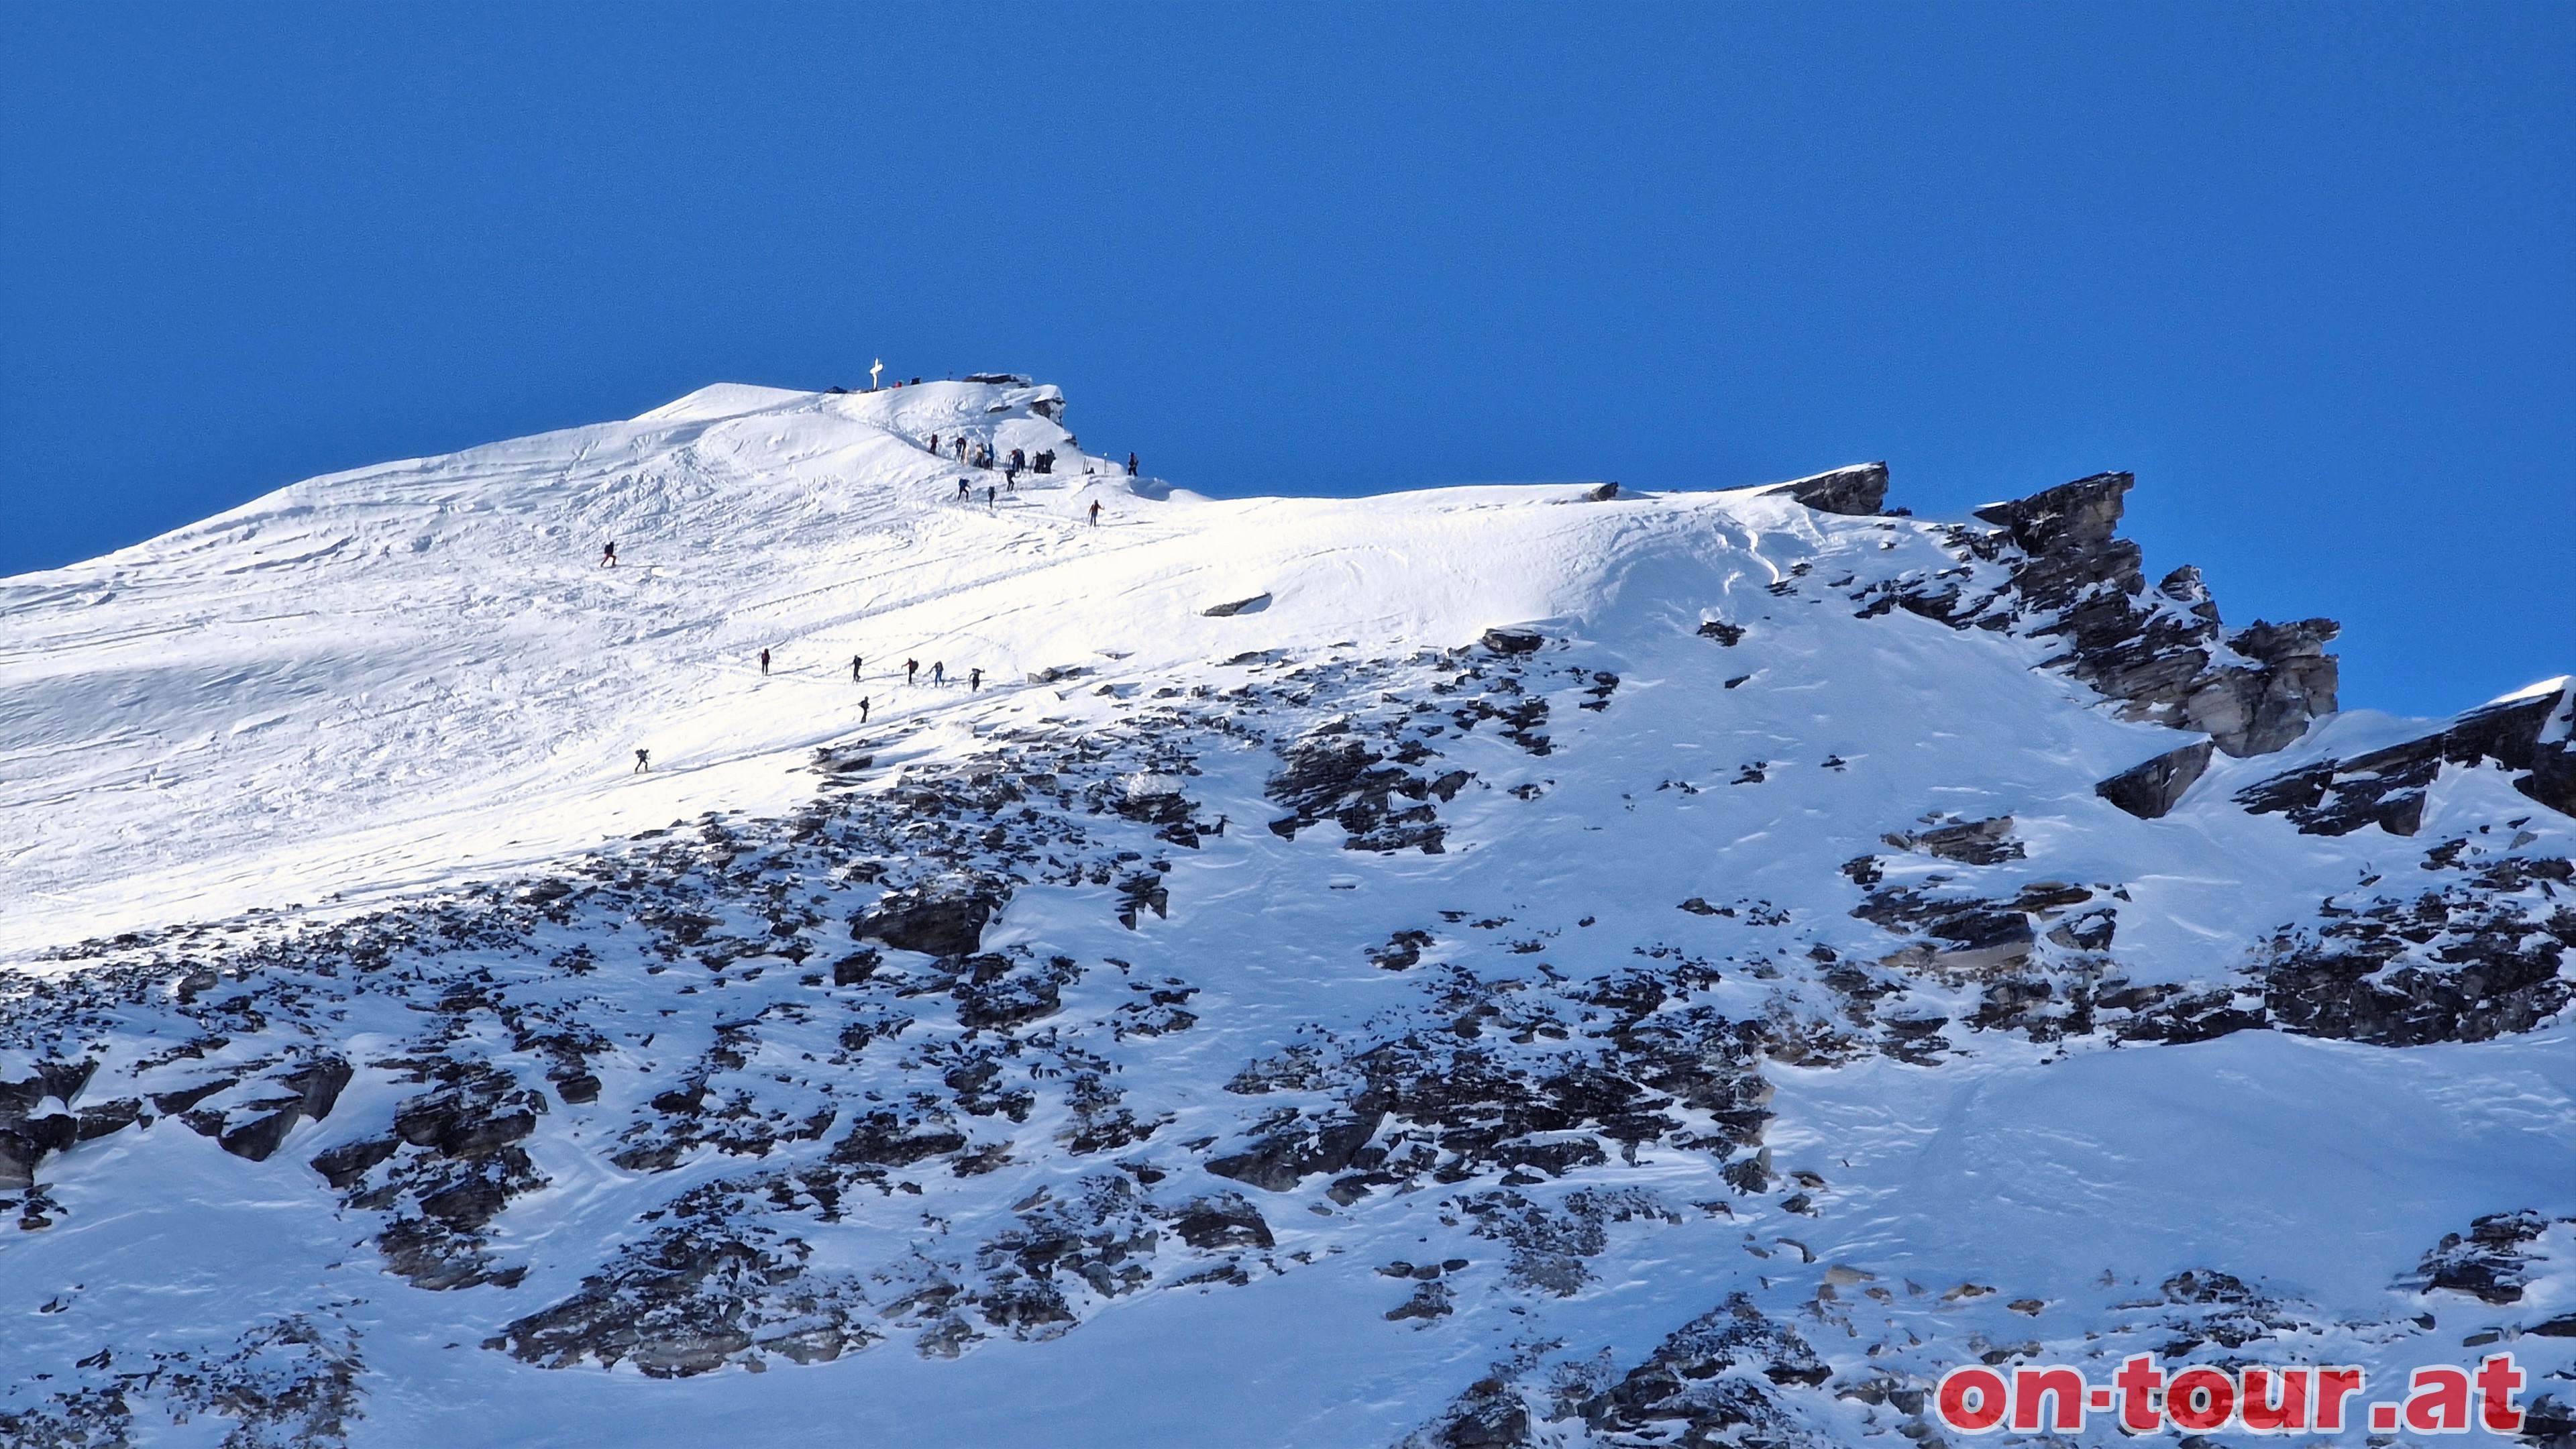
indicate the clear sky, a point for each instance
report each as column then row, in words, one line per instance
column 2308, row 270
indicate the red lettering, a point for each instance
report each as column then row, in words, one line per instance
column 2334, row 1386
column 2065, row 1383
column 2497, row 1381
column 1971, row 1399
column 2138, row 1381
column 2437, row 1401
column 2200, row 1398
column 2262, row 1415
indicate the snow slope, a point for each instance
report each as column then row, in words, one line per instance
column 1618, row 965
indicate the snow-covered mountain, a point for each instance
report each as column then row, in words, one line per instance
column 1485, row 966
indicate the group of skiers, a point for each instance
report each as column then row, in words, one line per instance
column 975, row 454
column 858, row 675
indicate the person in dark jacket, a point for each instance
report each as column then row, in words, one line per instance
column 934, row 445
column 863, row 709
column 1131, row 465
column 1095, row 513
column 911, row 667
column 608, row 555
column 938, row 671
column 854, row 669
column 643, row 762
column 974, row 680
column 764, row 661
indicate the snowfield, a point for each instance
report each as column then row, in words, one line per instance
column 1484, row 966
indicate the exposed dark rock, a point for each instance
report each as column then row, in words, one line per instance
column 2091, row 931
column 1139, row 892
column 1972, row 935
column 1860, row 489
column 107, row 1118
column 1252, row 605
column 1222, row 1222
column 1335, row 775
column 343, row 1165
column 935, row 925
column 1487, row 1416
column 461, row 1121
column 2386, row 787
column 1726, row 634
column 1683, row 1385
column 1278, row 1160
column 882, row 1139
column 2489, row 1263
column 1602, row 494
column 1971, row 842
column 2466, row 962
column 318, row 1084
column 1510, row 640
column 2151, row 789
column 688, row 1300
column 25, row 1142
column 171, row 1104
column 1429, row 1301
column 2159, row 654
column 260, row 1136
column 996, row 992
column 1402, row 950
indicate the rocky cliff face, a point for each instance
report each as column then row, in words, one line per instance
column 1521, row 1007
column 2064, row 575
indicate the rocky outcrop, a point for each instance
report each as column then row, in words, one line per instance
column 2386, row 787
column 28, row 1133
column 2160, row 654
column 1969, row 842
column 1684, row 1383
column 1335, row 774
column 2492, row 1262
column 1860, row 489
column 2150, row 790
column 690, row 1298
column 2475, row 957
column 933, row 924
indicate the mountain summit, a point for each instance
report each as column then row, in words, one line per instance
column 924, row 953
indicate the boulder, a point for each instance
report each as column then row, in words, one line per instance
column 1252, row 605
column 931, row 924
column 2151, row 789
column 1222, row 1222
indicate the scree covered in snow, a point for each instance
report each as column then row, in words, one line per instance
column 1545, row 965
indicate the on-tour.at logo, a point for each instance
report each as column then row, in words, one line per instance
column 2440, row 1399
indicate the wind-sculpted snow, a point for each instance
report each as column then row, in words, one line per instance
column 1568, row 967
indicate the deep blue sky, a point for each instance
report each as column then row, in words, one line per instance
column 2309, row 270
